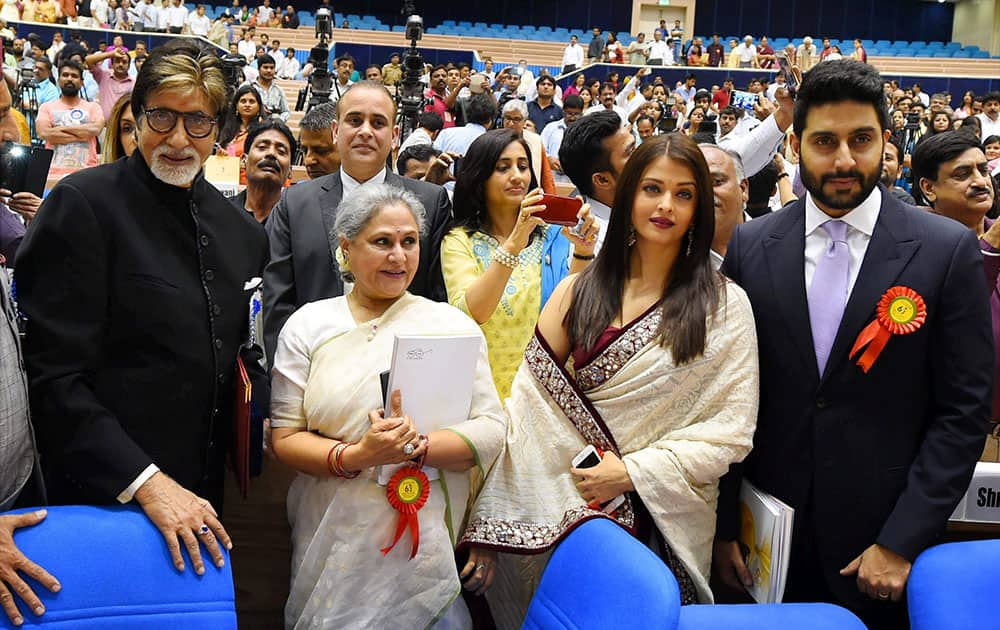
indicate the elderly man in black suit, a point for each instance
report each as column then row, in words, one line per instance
column 874, row 445
column 302, row 267
column 136, row 279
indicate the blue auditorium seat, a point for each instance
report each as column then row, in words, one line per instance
column 962, row 54
column 465, row 25
column 769, row 617
column 601, row 577
column 951, row 586
column 448, row 23
column 981, row 54
column 886, row 52
column 946, row 54
column 116, row 574
column 884, row 43
column 917, row 42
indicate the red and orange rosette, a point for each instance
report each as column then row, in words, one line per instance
column 407, row 492
column 901, row 311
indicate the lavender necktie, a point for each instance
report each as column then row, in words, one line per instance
column 828, row 292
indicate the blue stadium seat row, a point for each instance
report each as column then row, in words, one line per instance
column 881, row 47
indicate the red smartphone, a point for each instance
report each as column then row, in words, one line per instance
column 560, row 210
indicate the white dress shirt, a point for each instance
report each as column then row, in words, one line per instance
column 622, row 113
column 178, row 16
column 757, row 147
column 990, row 128
column 199, row 24
column 289, row 68
column 350, row 184
column 602, row 216
column 573, row 56
column 860, row 225
column 660, row 50
column 552, row 137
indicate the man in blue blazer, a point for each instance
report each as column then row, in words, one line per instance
column 872, row 460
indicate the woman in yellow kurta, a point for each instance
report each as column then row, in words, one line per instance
column 496, row 196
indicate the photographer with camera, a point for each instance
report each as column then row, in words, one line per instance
column 38, row 75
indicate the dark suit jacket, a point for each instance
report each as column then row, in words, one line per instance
column 881, row 457
column 302, row 268
column 136, row 299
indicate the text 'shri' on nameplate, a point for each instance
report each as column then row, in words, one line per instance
column 981, row 503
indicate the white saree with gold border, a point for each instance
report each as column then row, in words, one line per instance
column 326, row 380
column 677, row 429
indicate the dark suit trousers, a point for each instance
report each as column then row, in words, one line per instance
column 806, row 582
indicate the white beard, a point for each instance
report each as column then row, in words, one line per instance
column 181, row 176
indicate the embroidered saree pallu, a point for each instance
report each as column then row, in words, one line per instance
column 677, row 429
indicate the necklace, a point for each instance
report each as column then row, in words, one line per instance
column 371, row 324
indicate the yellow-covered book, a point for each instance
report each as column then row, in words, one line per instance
column 766, row 541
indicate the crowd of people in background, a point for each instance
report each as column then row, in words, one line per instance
column 662, row 325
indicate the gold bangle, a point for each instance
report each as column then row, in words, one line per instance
column 506, row 258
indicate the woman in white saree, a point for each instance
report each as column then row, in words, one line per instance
column 328, row 425
column 650, row 356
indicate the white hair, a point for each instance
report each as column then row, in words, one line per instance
column 515, row 105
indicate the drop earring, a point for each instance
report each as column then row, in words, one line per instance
column 690, row 240
column 631, row 236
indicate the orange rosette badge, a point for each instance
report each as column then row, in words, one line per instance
column 901, row 311
column 407, row 492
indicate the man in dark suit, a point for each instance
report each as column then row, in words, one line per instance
column 873, row 462
column 135, row 279
column 302, row 267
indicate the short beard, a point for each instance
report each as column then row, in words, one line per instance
column 181, row 176
column 814, row 184
column 70, row 90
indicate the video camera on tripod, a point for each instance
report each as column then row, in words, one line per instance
column 320, row 83
column 410, row 94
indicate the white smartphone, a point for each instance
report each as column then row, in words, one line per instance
column 588, row 458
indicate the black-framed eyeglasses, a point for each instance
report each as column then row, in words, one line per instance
column 163, row 120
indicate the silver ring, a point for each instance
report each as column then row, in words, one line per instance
column 408, row 449
column 883, row 595
column 203, row 530
column 480, row 567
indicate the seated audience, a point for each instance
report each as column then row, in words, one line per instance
column 500, row 262
column 663, row 382
column 327, row 423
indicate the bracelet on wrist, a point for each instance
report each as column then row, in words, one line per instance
column 582, row 257
column 335, row 464
column 506, row 258
column 780, row 175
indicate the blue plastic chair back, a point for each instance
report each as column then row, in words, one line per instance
column 769, row 617
column 601, row 577
column 952, row 587
column 116, row 574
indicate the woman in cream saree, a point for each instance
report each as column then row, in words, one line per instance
column 325, row 387
column 670, row 427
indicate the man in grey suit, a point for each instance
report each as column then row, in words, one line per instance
column 302, row 268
